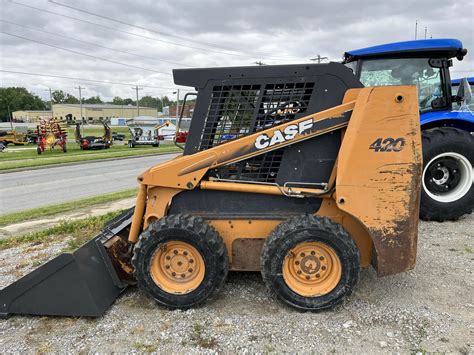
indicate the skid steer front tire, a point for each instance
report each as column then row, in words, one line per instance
column 448, row 159
column 180, row 261
column 310, row 262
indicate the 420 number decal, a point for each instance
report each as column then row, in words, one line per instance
column 388, row 144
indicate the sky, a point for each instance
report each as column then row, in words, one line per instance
column 140, row 42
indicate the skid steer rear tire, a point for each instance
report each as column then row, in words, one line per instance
column 191, row 241
column 444, row 195
column 310, row 237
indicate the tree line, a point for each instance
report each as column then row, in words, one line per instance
column 18, row 99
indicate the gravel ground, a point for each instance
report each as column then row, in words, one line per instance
column 429, row 309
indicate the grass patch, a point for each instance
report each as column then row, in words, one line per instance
column 143, row 347
column 51, row 210
column 80, row 232
column 27, row 157
column 200, row 339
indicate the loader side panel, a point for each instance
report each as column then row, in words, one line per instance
column 379, row 173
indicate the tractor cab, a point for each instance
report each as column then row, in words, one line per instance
column 424, row 63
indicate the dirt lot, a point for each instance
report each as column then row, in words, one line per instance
column 429, row 309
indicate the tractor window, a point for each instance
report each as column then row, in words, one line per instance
column 407, row 71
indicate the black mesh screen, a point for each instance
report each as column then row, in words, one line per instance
column 238, row 110
column 230, row 114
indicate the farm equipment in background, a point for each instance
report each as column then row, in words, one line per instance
column 448, row 141
column 455, row 85
column 181, row 137
column 51, row 133
column 308, row 198
column 16, row 136
column 93, row 142
column 118, row 136
column 146, row 134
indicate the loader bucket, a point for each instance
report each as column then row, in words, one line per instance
column 84, row 283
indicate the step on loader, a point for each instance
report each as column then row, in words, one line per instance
column 296, row 171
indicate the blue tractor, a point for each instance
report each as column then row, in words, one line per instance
column 447, row 121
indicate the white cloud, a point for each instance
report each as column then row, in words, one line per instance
column 279, row 28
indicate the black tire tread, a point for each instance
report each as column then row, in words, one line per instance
column 204, row 233
column 279, row 236
column 431, row 210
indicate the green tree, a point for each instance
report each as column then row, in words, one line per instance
column 93, row 100
column 16, row 99
column 70, row 99
column 128, row 101
column 61, row 97
column 148, row 101
column 58, row 96
column 117, row 100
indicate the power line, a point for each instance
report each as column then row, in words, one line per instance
column 130, row 33
column 85, row 80
column 94, row 44
column 164, row 33
column 83, row 54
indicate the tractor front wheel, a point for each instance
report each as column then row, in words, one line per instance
column 39, row 151
column 180, row 261
column 310, row 263
column 448, row 155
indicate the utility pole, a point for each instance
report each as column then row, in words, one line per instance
column 138, row 105
column 80, row 105
column 177, row 106
column 426, row 29
column 50, row 101
column 416, row 28
column 10, row 115
column 319, row 59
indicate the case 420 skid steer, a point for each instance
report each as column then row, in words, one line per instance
column 320, row 179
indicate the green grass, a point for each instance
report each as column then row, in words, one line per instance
column 26, row 158
column 52, row 210
column 80, row 232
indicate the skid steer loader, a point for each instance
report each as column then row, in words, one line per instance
column 320, row 179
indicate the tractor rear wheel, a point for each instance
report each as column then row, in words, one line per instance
column 448, row 192
column 180, row 261
column 310, row 263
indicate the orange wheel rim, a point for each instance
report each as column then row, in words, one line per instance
column 177, row 267
column 312, row 269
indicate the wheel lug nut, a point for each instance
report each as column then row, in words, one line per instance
column 185, row 253
column 168, row 257
column 299, row 272
column 307, row 277
column 318, row 276
column 191, row 261
column 321, row 258
column 173, row 273
column 190, row 270
column 323, row 267
column 183, row 276
column 313, row 253
column 175, row 252
column 302, row 255
column 297, row 262
column 167, row 266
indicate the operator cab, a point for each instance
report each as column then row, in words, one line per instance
column 424, row 63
